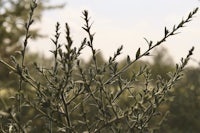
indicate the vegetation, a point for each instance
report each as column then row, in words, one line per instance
column 100, row 96
column 13, row 16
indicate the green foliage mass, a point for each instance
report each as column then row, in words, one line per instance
column 102, row 95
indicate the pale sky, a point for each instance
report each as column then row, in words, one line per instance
column 126, row 23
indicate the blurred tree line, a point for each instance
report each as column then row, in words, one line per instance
column 184, row 103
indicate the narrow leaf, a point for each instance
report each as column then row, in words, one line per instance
column 128, row 59
column 137, row 53
column 166, row 31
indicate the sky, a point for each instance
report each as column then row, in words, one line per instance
column 127, row 22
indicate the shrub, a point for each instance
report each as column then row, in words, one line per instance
column 68, row 97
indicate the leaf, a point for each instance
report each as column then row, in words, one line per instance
column 119, row 50
column 85, row 29
column 137, row 53
column 13, row 59
column 128, row 59
column 166, row 31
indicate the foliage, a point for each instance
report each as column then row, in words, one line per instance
column 184, row 109
column 98, row 98
column 13, row 16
